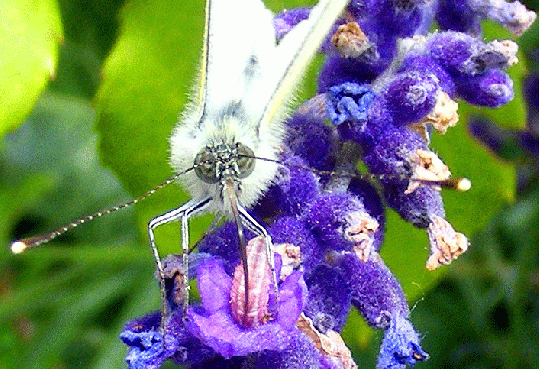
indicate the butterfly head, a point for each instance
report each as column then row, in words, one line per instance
column 218, row 162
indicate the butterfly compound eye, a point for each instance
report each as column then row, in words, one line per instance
column 245, row 161
column 206, row 166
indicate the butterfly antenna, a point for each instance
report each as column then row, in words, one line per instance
column 460, row 184
column 24, row 244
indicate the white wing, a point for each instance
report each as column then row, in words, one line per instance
column 244, row 67
column 292, row 56
column 239, row 33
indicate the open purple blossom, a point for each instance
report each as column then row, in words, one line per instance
column 385, row 87
column 400, row 346
column 214, row 323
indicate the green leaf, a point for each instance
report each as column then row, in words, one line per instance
column 30, row 31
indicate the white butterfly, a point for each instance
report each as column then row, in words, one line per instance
column 246, row 80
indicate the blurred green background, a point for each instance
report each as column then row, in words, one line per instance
column 89, row 92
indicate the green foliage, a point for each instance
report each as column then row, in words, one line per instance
column 29, row 35
column 63, row 306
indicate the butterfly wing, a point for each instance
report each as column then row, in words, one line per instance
column 238, row 34
column 291, row 58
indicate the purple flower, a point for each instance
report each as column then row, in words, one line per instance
column 400, row 346
column 349, row 100
column 148, row 349
column 214, row 324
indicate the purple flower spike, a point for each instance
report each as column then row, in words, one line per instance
column 400, row 346
column 410, row 96
column 492, row 89
column 214, row 324
column 386, row 86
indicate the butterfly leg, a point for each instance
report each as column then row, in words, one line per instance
column 182, row 213
column 259, row 230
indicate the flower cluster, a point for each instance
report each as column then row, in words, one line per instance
column 386, row 84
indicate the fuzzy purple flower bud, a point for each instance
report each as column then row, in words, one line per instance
column 466, row 15
column 340, row 222
column 410, row 96
column 457, row 15
column 461, row 54
column 308, row 136
column 456, row 52
column 375, row 292
column 427, row 65
column 491, row 89
column 328, row 302
column 294, row 186
column 293, row 231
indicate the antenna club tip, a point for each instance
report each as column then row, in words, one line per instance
column 18, row 247
column 464, row 184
